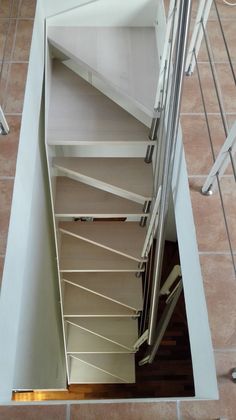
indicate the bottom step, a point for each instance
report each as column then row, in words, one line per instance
column 102, row 368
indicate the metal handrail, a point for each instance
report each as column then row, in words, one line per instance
column 179, row 55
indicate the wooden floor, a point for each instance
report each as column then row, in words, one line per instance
column 170, row 375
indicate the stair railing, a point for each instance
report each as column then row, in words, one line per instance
column 4, row 129
column 166, row 149
column 223, row 160
column 197, row 36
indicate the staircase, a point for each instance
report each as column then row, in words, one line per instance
column 99, row 197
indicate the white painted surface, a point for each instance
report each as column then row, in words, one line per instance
column 21, row 365
column 122, row 288
column 105, row 13
column 125, row 57
column 79, row 302
column 199, row 332
column 120, row 331
column 123, row 238
column 129, row 178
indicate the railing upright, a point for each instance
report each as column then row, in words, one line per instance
column 179, row 54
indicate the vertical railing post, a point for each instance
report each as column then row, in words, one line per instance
column 169, row 152
column 4, row 129
column 197, row 36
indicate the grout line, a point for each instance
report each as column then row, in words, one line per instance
column 15, row 62
column 227, row 176
column 15, row 18
column 215, row 62
column 209, row 113
column 178, row 410
column 3, row 178
column 233, row 350
column 68, row 412
column 216, row 253
column 13, row 114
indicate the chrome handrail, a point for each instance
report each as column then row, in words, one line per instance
column 172, row 118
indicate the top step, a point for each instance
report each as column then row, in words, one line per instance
column 123, row 57
column 79, row 114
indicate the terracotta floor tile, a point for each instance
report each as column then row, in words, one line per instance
column 15, row 88
column 3, row 33
column 160, row 411
column 208, row 217
column 27, row 9
column 216, row 41
column 225, row 362
column 228, row 187
column 5, row 8
column 220, row 290
column 6, row 187
column 3, row 84
column 23, row 40
column 192, row 101
column 225, row 11
column 197, row 144
column 9, row 147
column 227, row 87
column 200, row 410
column 49, row 412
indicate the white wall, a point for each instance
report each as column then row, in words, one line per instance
column 199, row 332
column 30, row 335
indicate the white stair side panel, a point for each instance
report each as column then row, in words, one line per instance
column 81, row 256
column 86, row 116
column 82, row 373
column 122, row 288
column 124, row 238
column 78, row 302
column 126, row 177
column 125, row 57
column 121, row 331
column 82, row 341
column 121, row 366
column 74, row 199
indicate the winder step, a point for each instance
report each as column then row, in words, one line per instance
column 80, row 256
column 75, row 199
column 79, row 114
column 124, row 57
column 124, row 238
column 122, row 333
column 129, row 178
column 102, row 368
column 122, row 288
column 78, row 302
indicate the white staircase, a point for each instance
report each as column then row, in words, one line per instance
column 98, row 200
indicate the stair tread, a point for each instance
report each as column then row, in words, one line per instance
column 131, row 177
column 125, row 238
column 123, row 332
column 85, row 115
column 81, row 373
column 78, row 302
column 118, row 365
column 131, row 66
column 123, row 288
column 81, row 340
column 75, row 199
column 78, row 255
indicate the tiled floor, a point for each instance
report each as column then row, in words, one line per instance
column 219, row 278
